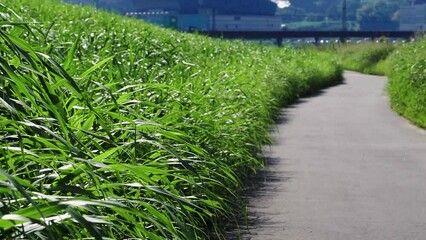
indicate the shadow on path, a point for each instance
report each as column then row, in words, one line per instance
column 265, row 183
column 342, row 166
column 262, row 185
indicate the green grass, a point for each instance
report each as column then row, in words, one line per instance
column 112, row 128
column 365, row 57
column 407, row 81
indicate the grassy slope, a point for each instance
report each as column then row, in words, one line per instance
column 407, row 81
column 365, row 57
column 127, row 130
column 404, row 65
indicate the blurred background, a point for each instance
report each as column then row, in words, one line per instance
column 277, row 15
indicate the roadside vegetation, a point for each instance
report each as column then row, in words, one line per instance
column 112, row 128
column 365, row 57
column 404, row 65
column 407, row 81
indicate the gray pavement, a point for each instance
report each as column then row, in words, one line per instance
column 343, row 166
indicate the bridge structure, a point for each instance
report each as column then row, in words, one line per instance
column 279, row 36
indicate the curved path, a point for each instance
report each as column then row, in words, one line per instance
column 344, row 167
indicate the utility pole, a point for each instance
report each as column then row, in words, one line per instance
column 344, row 10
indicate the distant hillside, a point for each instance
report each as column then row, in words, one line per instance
column 360, row 14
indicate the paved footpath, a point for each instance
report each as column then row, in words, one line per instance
column 344, row 166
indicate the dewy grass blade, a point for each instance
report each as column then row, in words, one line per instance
column 86, row 224
column 34, row 213
column 62, row 72
column 70, row 55
column 8, row 107
column 95, row 67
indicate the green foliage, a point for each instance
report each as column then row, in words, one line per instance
column 365, row 57
column 407, row 81
column 112, row 128
column 379, row 11
column 291, row 14
column 334, row 10
column 368, row 14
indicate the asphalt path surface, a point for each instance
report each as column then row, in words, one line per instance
column 343, row 166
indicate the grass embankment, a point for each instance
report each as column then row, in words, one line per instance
column 403, row 64
column 365, row 57
column 110, row 127
column 407, row 81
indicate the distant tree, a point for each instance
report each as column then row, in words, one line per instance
column 291, row 14
column 378, row 11
column 379, row 15
column 334, row 11
column 330, row 8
